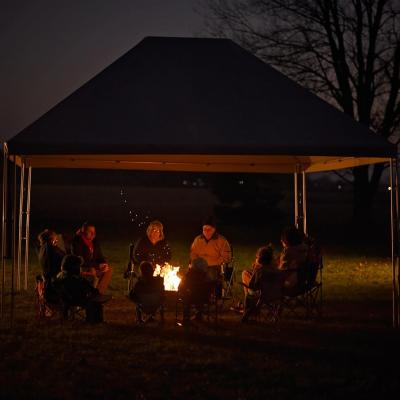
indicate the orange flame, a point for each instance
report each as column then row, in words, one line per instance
column 170, row 275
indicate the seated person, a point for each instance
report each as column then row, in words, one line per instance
column 264, row 276
column 262, row 267
column 77, row 291
column 153, row 247
column 212, row 247
column 50, row 255
column 148, row 289
column 215, row 249
column 293, row 255
column 195, row 279
column 50, row 258
column 85, row 245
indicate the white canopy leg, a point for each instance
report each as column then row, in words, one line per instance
column 4, row 228
column 296, row 201
column 27, row 222
column 21, row 213
column 304, row 202
column 14, row 241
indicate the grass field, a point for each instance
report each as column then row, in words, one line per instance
column 352, row 351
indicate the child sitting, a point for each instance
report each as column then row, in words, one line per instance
column 77, row 291
column 194, row 288
column 148, row 293
column 264, row 276
column 293, row 256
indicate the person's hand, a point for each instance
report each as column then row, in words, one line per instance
column 104, row 267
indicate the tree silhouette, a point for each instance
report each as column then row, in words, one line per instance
column 346, row 51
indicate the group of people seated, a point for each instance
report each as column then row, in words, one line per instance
column 208, row 253
column 77, row 274
column 85, row 267
column 209, row 245
column 280, row 275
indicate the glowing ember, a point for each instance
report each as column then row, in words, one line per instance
column 169, row 273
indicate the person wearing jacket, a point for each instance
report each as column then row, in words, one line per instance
column 153, row 247
column 293, row 255
column 213, row 247
column 49, row 254
column 86, row 245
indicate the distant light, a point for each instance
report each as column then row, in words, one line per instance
column 389, row 188
column 184, row 183
column 241, row 182
column 339, row 187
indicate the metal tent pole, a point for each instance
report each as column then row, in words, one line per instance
column 393, row 220
column 28, row 211
column 21, row 207
column 304, row 202
column 4, row 228
column 296, row 201
column 13, row 241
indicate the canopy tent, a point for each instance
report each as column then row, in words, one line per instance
column 188, row 104
column 196, row 104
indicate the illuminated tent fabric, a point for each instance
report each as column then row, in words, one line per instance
column 196, row 105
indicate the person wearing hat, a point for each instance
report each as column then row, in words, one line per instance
column 213, row 247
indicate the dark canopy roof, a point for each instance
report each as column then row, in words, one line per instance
column 184, row 97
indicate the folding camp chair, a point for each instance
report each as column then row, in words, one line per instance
column 131, row 275
column 50, row 303
column 228, row 281
column 197, row 298
column 44, row 309
column 149, row 305
column 266, row 303
column 306, row 297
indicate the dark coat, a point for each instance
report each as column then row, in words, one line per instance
column 50, row 258
column 90, row 260
column 195, row 287
column 74, row 289
column 143, row 287
column 144, row 250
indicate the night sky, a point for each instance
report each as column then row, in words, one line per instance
column 50, row 48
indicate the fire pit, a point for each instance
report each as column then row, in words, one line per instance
column 170, row 275
column 171, row 283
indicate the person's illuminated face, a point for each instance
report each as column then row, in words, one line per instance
column 155, row 234
column 54, row 239
column 208, row 231
column 90, row 232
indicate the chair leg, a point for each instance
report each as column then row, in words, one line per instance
column 162, row 315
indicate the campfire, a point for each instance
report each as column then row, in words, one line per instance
column 170, row 275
